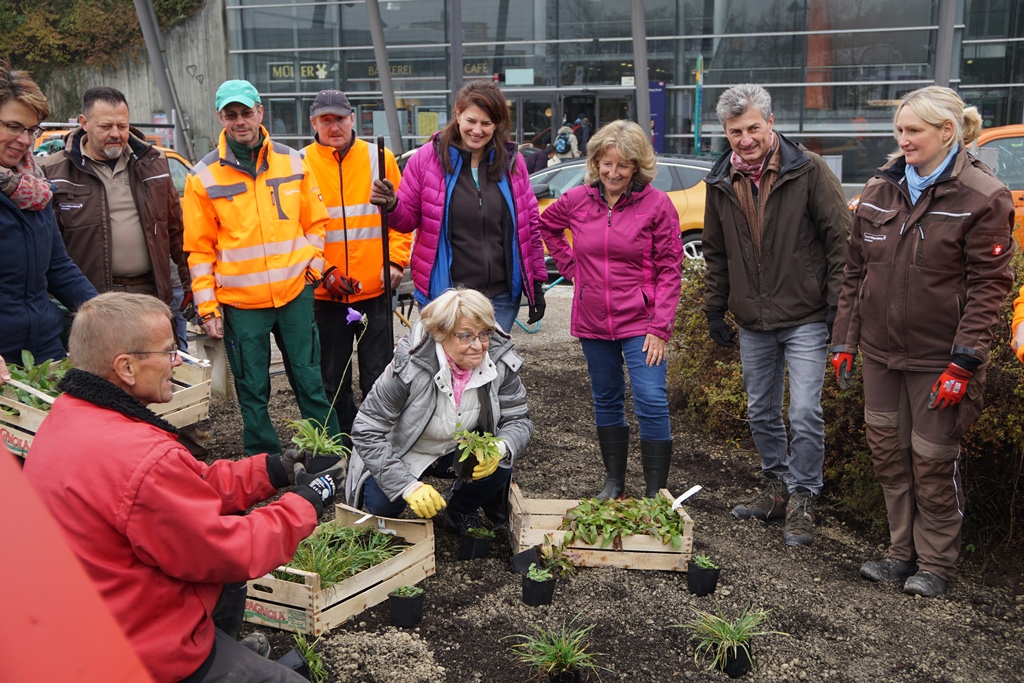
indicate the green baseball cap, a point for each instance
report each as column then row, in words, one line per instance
column 242, row 92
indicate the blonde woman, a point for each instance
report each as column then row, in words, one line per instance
column 927, row 268
column 624, row 263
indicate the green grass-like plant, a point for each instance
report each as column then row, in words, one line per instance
column 719, row 637
column 704, row 562
column 480, row 532
column 552, row 652
column 612, row 520
column 407, row 591
column 312, row 437
column 314, row 662
column 338, row 552
column 535, row 573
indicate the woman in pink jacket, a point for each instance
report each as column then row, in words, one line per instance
column 467, row 194
column 625, row 265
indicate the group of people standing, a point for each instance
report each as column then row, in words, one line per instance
column 284, row 242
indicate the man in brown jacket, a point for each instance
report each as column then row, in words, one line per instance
column 775, row 226
column 115, row 202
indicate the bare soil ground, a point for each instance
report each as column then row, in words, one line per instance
column 840, row 628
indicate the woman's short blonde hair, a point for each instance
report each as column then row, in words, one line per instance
column 441, row 317
column 633, row 144
column 111, row 324
column 935, row 104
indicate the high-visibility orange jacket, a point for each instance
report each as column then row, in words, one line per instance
column 252, row 242
column 1018, row 320
column 353, row 234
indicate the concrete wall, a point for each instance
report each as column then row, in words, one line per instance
column 198, row 62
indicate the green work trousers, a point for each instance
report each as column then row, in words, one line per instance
column 247, row 343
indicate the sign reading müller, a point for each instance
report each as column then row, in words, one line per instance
column 307, row 71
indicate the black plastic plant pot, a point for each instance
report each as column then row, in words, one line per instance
column 701, row 581
column 521, row 561
column 464, row 468
column 738, row 662
column 294, row 660
column 567, row 676
column 406, row 612
column 322, row 463
column 538, row 592
column 473, row 548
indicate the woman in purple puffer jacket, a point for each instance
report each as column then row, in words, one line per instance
column 467, row 194
column 625, row 265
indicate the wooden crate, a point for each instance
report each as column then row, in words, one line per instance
column 189, row 404
column 306, row 608
column 533, row 519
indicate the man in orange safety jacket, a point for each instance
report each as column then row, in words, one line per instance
column 345, row 168
column 254, row 232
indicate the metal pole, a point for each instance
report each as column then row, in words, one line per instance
column 455, row 54
column 641, row 81
column 386, row 270
column 158, row 62
column 387, row 89
column 944, row 42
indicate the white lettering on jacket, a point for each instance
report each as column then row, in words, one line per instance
column 871, row 237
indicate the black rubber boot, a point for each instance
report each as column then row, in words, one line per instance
column 614, row 443
column 657, row 456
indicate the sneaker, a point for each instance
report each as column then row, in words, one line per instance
column 770, row 503
column 258, row 643
column 799, row 529
column 887, row 570
column 462, row 521
column 925, row 584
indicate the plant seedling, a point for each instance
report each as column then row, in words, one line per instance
column 552, row 652
column 313, row 438
column 43, row 377
column 314, row 662
column 337, row 552
column 612, row 520
column 720, row 638
column 704, row 562
column 407, row 591
column 480, row 532
column 558, row 558
column 541, row 574
column 484, row 447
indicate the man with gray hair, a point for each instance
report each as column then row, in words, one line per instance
column 775, row 227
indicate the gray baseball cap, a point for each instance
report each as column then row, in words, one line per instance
column 330, row 102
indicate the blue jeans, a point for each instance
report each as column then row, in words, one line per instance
column 608, row 386
column 506, row 309
column 179, row 320
column 765, row 357
column 468, row 496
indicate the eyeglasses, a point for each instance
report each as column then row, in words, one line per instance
column 16, row 129
column 172, row 353
column 467, row 339
column 234, row 115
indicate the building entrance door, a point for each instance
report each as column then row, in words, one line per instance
column 531, row 119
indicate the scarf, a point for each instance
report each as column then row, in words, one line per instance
column 460, row 378
column 28, row 187
column 751, row 170
column 917, row 184
column 753, row 195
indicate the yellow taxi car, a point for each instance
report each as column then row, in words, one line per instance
column 682, row 178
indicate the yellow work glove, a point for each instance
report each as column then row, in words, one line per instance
column 483, row 470
column 425, row 501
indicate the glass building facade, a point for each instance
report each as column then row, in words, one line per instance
column 834, row 67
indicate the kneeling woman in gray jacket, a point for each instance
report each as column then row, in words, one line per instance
column 454, row 369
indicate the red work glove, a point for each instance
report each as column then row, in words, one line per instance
column 843, row 363
column 950, row 388
column 339, row 285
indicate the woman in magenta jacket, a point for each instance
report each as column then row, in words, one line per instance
column 467, row 194
column 624, row 262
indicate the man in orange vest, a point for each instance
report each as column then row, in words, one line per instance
column 254, row 232
column 345, row 168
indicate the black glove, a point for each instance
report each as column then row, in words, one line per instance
column 539, row 306
column 830, row 320
column 291, row 460
column 319, row 490
column 719, row 331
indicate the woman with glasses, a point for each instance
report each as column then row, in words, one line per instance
column 454, row 370
column 33, row 261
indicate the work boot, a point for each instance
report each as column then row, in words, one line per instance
column 258, row 643
column 769, row 504
column 925, row 584
column 614, row 442
column 887, row 570
column 657, row 456
column 799, row 529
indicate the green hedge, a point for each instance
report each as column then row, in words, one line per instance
column 705, row 385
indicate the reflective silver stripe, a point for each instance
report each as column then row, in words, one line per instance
column 353, row 234
column 374, row 166
column 156, row 177
column 950, row 213
column 205, row 175
column 316, row 240
column 351, row 211
column 201, row 296
column 200, row 269
column 65, row 182
column 317, row 264
column 262, row 250
column 264, row 277
column 878, row 207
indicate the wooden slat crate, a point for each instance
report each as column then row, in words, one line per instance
column 189, row 404
column 306, row 608
column 533, row 519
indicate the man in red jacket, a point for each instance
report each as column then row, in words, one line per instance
column 157, row 531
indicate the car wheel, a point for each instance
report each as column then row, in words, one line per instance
column 692, row 245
